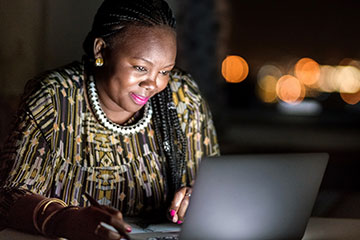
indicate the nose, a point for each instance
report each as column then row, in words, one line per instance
column 149, row 84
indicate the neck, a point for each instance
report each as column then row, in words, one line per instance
column 111, row 109
column 141, row 123
column 119, row 117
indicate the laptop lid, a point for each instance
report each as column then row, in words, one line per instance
column 254, row 196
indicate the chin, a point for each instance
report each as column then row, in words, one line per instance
column 136, row 108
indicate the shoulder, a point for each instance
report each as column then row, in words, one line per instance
column 70, row 75
column 185, row 88
column 47, row 83
column 47, row 88
column 180, row 78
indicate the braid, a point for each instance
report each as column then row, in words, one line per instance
column 169, row 133
column 114, row 15
column 180, row 142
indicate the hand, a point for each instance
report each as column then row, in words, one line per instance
column 179, row 205
column 85, row 224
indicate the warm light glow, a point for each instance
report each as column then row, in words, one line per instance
column 327, row 81
column 267, row 89
column 346, row 62
column 289, row 89
column 266, row 83
column 308, row 78
column 234, row 69
column 354, row 63
column 269, row 70
column 307, row 71
column 351, row 98
column 348, row 79
column 349, row 62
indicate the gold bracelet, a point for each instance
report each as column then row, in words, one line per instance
column 51, row 215
column 53, row 200
column 46, row 202
column 36, row 211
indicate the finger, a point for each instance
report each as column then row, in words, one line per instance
column 112, row 222
column 117, row 223
column 175, row 204
column 112, row 211
column 105, row 233
column 120, row 225
column 182, row 210
column 116, row 220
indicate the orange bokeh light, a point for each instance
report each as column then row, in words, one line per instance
column 351, row 98
column 267, row 89
column 289, row 89
column 307, row 71
column 234, row 69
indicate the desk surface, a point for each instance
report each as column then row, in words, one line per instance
column 317, row 228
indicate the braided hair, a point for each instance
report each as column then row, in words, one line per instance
column 114, row 15
column 110, row 20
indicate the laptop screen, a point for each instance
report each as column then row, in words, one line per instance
column 254, row 196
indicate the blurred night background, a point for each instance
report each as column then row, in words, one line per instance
column 298, row 63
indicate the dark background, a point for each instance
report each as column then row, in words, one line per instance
column 280, row 32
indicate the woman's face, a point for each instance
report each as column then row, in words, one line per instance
column 136, row 67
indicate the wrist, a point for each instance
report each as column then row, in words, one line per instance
column 44, row 210
column 60, row 223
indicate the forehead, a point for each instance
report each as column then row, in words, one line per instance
column 139, row 38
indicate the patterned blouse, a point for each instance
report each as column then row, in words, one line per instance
column 59, row 149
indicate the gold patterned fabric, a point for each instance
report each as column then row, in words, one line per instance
column 59, row 149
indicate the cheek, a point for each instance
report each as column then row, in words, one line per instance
column 163, row 83
column 123, row 81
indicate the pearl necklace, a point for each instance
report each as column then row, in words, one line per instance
column 101, row 117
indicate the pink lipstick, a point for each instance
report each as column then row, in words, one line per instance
column 140, row 100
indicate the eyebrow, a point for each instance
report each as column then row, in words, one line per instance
column 145, row 60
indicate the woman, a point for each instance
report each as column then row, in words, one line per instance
column 124, row 126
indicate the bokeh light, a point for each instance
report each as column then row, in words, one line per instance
column 290, row 90
column 327, row 81
column 234, row 69
column 294, row 80
column 351, row 98
column 266, row 83
column 348, row 79
column 269, row 70
column 307, row 71
column 346, row 62
column 350, row 62
column 267, row 89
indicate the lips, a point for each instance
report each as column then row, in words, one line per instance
column 138, row 99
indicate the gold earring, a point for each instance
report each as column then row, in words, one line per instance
column 99, row 62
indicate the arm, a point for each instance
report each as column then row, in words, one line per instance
column 196, row 119
column 56, row 220
column 31, row 159
column 199, row 127
column 27, row 162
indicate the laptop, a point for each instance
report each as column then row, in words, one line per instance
column 267, row 196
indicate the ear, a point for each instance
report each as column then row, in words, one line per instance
column 99, row 45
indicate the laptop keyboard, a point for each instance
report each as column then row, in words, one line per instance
column 171, row 237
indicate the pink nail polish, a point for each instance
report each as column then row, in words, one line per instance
column 179, row 222
column 172, row 213
column 128, row 229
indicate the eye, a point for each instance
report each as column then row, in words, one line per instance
column 165, row 73
column 140, row 69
